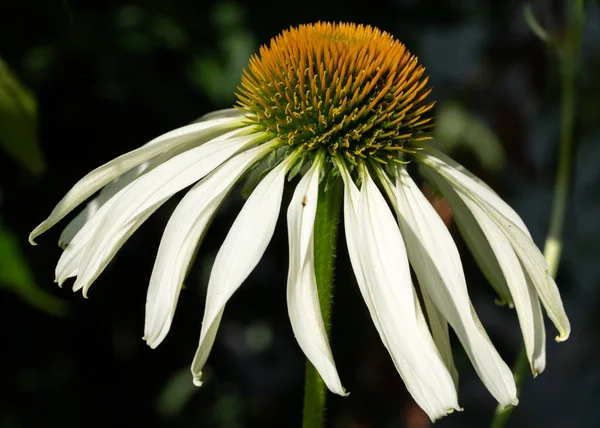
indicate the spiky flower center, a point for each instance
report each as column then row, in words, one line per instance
column 351, row 89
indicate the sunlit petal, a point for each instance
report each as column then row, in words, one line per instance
column 183, row 137
column 180, row 239
column 379, row 259
column 241, row 251
column 145, row 195
column 94, row 205
column 302, row 295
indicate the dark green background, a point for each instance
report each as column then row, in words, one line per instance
column 110, row 75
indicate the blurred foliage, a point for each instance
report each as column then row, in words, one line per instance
column 18, row 122
column 16, row 275
column 218, row 73
column 457, row 128
column 176, row 394
column 18, row 137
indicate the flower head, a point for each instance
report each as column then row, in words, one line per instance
column 328, row 102
column 352, row 91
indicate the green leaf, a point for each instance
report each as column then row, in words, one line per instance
column 18, row 122
column 16, row 275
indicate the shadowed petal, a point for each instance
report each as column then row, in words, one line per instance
column 441, row 336
column 503, row 217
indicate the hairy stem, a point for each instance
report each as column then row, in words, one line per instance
column 325, row 237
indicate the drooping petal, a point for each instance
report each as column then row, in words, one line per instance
column 241, row 251
column 481, row 250
column 176, row 140
column 538, row 358
column 436, row 261
column 535, row 264
column 94, row 205
column 379, row 261
column 458, row 173
column 301, row 215
column 180, row 239
column 504, row 217
column 302, row 295
column 145, row 195
column 512, row 273
column 70, row 259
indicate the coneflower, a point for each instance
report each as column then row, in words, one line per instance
column 331, row 103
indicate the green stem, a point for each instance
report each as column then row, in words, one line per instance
column 569, row 67
column 325, row 237
column 569, row 63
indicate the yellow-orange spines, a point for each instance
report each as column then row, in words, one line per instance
column 351, row 89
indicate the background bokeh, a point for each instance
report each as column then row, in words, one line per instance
column 82, row 82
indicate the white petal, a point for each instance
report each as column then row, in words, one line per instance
column 69, row 264
column 145, row 195
column 462, row 177
column 301, row 215
column 176, row 140
column 180, row 239
column 435, row 259
column 512, row 273
column 379, row 261
column 222, row 114
column 302, row 295
column 534, row 263
column 478, row 243
column 70, row 259
column 530, row 256
column 94, row 205
column 241, row 251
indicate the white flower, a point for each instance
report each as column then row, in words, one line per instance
column 346, row 104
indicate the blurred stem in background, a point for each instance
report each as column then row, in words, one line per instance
column 568, row 50
column 325, row 237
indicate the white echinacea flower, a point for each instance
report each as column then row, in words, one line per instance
column 329, row 102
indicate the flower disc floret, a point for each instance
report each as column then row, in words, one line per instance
column 351, row 89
